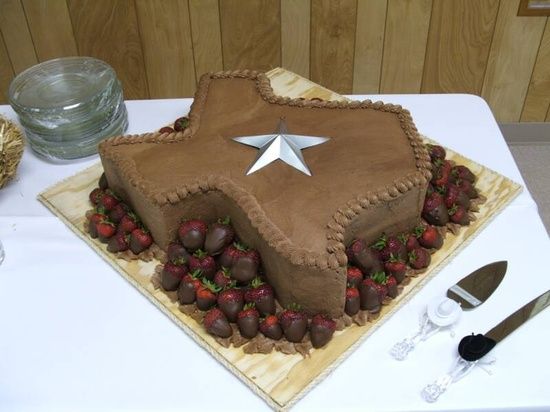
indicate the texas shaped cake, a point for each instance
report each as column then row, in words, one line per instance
column 370, row 177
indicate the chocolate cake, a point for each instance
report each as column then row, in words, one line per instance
column 369, row 178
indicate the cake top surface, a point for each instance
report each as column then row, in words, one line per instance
column 374, row 154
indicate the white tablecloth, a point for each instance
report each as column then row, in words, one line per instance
column 74, row 335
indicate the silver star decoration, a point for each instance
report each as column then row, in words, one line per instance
column 280, row 145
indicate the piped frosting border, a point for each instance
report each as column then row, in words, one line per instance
column 335, row 256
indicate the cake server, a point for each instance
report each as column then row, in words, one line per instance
column 473, row 348
column 469, row 293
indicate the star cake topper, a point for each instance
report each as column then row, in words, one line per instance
column 368, row 178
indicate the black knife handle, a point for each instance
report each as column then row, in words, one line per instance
column 474, row 347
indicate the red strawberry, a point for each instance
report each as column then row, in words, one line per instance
column 181, row 123
column 463, row 173
column 230, row 254
column 218, row 236
column 396, row 268
column 176, row 251
column 102, row 183
column 248, row 321
column 261, row 294
column 128, row 223
column 391, row 284
column 459, row 214
column 353, row 302
column 93, row 221
column 388, row 246
column 216, row 323
column 380, row 280
column 364, row 257
column 140, row 239
column 436, row 152
column 231, row 302
column 429, row 237
column 442, row 173
column 321, row 330
column 222, row 278
column 271, row 328
column 294, row 323
column 118, row 212
column 368, row 295
column 192, row 233
column 108, row 201
column 454, row 195
column 187, row 291
column 434, row 211
column 172, row 274
column 468, row 188
column 410, row 241
column 419, row 258
column 96, row 195
column 105, row 230
column 355, row 276
column 166, row 129
column 206, row 264
column 118, row 243
column 207, row 295
column 245, row 267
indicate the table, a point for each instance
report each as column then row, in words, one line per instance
column 74, row 335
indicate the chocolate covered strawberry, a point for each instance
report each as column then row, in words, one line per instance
column 458, row 214
column 105, row 230
column 380, row 281
column 128, row 223
column 261, row 294
column 118, row 243
column 353, row 302
column 166, row 129
column 192, row 234
column 468, row 188
column 396, row 268
column 231, row 302
column 354, row 276
column 177, row 251
column 222, row 278
column 441, row 173
column 118, row 212
column 245, row 267
column 368, row 295
column 202, row 261
column 436, row 152
column 108, row 201
column 391, row 285
column 219, row 236
column 388, row 246
column 364, row 257
column 102, row 182
column 409, row 240
column 140, row 239
column 434, row 210
column 96, row 195
column 460, row 172
column 294, row 323
column 207, row 294
column 231, row 253
column 429, row 237
column 456, row 196
column 216, row 323
column 181, row 123
column 172, row 274
column 271, row 328
column 321, row 330
column 419, row 258
column 248, row 321
column 187, row 290
column 93, row 221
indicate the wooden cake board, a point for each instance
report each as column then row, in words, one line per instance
column 280, row 379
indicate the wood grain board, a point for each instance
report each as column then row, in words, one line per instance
column 295, row 36
column 279, row 379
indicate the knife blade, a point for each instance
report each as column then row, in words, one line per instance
column 468, row 293
column 473, row 348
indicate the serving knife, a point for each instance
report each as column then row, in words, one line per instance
column 469, row 293
column 473, row 348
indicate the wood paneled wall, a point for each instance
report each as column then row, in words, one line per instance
column 159, row 48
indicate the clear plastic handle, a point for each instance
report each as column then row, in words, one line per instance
column 434, row 390
column 401, row 349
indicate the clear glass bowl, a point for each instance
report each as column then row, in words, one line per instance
column 68, row 105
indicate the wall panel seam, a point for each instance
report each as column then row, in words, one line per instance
column 426, row 47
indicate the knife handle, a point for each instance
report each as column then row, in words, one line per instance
column 434, row 390
column 401, row 349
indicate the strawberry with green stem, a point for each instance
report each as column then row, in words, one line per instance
column 120, row 242
column 353, row 302
column 245, row 267
column 454, row 195
column 248, row 321
column 216, row 323
column 172, row 274
column 321, row 330
column 204, row 262
column 434, row 210
column 458, row 214
column 397, row 268
column 271, row 328
column 93, row 221
column 294, row 323
column 419, row 258
column 96, row 195
column 192, row 233
column 390, row 245
column 354, row 276
column 219, row 236
column 364, row 257
column 140, row 240
column 207, row 294
column 429, row 237
column 128, row 223
column 262, row 295
column 222, row 278
column 231, row 253
column 231, row 302
column 187, row 290
column 105, row 230
column 176, row 251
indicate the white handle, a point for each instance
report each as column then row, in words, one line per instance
column 460, row 369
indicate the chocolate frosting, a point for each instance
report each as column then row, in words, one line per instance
column 375, row 168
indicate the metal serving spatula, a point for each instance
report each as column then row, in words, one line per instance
column 470, row 292
column 473, row 348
